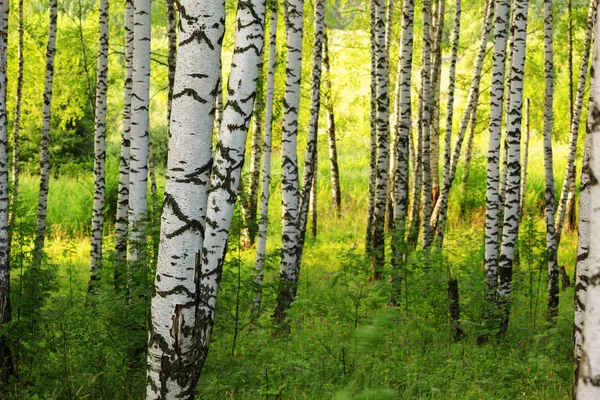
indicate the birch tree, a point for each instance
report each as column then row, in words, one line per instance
column 6, row 364
column 99, row 142
column 525, row 158
column 288, row 272
column 174, row 358
column 172, row 56
column 588, row 384
column 551, row 244
column 140, row 140
column 124, row 159
column 510, row 229
column 40, row 230
column 574, row 128
column 261, row 246
column 403, row 132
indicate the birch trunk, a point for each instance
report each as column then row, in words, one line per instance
column 492, row 202
column 373, row 133
column 40, row 231
column 99, row 143
column 140, row 140
column 526, row 155
column 588, row 385
column 6, row 364
column 403, row 132
column 574, row 131
column 16, row 128
column 570, row 210
column 172, row 56
column 310, row 158
column 436, row 72
column 583, row 243
column 174, row 355
column 510, row 229
column 289, row 161
column 336, row 194
column 229, row 159
column 383, row 136
column 259, row 262
column 551, row 244
column 124, row 159
column 441, row 208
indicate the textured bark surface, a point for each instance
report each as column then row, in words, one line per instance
column 526, row 151
column 123, row 190
column 40, row 231
column 437, row 29
column 510, row 229
column 140, row 140
column 16, row 126
column 382, row 121
column 403, row 132
column 571, row 209
column 373, row 133
column 174, row 352
column 289, row 161
column 6, row 365
column 172, row 56
column 99, row 143
column 263, row 220
column 588, row 385
column 441, row 207
column 574, row 131
column 493, row 163
column 336, row 193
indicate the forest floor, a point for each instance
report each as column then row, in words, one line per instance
column 345, row 342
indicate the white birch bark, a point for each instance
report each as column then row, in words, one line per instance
column 99, row 142
column 588, row 384
column 525, row 159
column 551, row 244
column 261, row 246
column 229, row 159
column 510, row 229
column 493, row 156
column 436, row 72
column 140, row 139
column 440, row 228
column 310, row 157
column 372, row 132
column 40, row 230
column 382, row 121
column 574, row 128
column 173, row 343
column 583, row 242
column 289, row 160
column 124, row 159
column 172, row 56
column 6, row 366
column 441, row 207
column 403, row 132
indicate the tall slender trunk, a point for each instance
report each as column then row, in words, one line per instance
column 438, row 217
column 574, row 131
column 174, row 355
column 40, row 231
column 6, row 364
column 467, row 167
column 373, row 133
column 229, row 160
column 588, row 386
column 259, row 262
column 525, row 156
column 425, row 122
column 583, row 242
column 551, row 244
column 403, row 132
column 99, row 143
column 310, row 158
column 250, row 205
column 140, row 140
column 289, row 161
column 16, row 129
column 336, row 193
column 382, row 121
column 510, row 229
column 436, row 75
column 492, row 202
column 570, row 210
column 172, row 56
column 124, row 159
column 570, row 55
